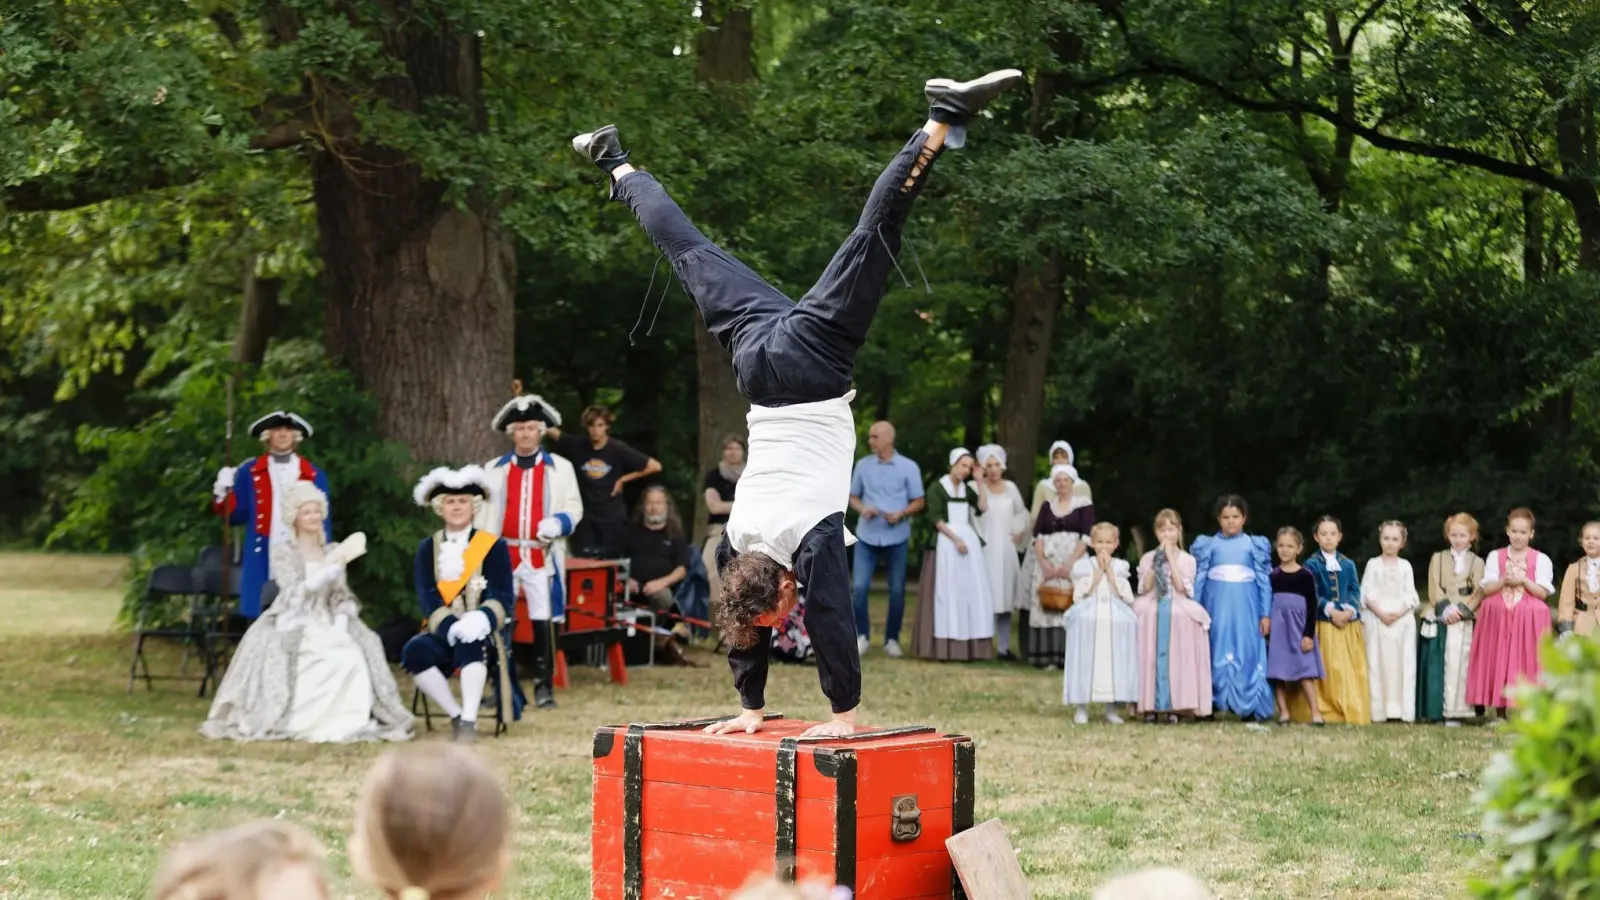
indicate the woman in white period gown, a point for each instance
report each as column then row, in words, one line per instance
column 309, row 669
column 1004, row 528
column 955, row 614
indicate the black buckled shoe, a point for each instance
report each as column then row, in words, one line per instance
column 954, row 102
column 544, row 697
column 603, row 148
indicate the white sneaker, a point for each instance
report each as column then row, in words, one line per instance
column 1113, row 718
column 893, row 649
column 1452, row 723
column 1082, row 716
column 862, row 645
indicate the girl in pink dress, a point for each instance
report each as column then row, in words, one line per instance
column 1512, row 618
column 1174, row 647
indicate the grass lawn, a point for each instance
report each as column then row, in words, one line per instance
column 97, row 782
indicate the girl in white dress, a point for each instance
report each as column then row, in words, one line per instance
column 1102, row 664
column 1004, row 527
column 955, row 614
column 1389, row 595
column 309, row 669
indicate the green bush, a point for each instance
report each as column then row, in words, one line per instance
column 1541, row 797
column 151, row 496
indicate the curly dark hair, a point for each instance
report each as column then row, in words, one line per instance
column 749, row 591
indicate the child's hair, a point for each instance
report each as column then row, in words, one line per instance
column 1588, row 525
column 431, row 818
column 1153, row 884
column 1170, row 515
column 1291, row 531
column 1521, row 512
column 1235, row 501
column 1334, row 520
column 1394, row 523
column 1466, row 521
column 228, row 865
column 759, row 888
column 1102, row 529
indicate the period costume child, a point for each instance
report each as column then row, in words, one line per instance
column 533, row 506
column 1174, row 638
column 466, row 591
column 1102, row 664
column 1391, row 649
column 1344, row 694
column 308, row 669
column 955, row 611
column 1294, row 617
column 251, row 495
column 1004, row 529
column 1233, row 584
column 1579, row 608
column 1511, row 621
column 1443, row 649
column 794, row 361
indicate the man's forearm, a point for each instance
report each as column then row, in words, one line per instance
column 675, row 576
column 856, row 504
column 916, row 506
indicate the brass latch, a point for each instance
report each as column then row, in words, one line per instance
column 907, row 819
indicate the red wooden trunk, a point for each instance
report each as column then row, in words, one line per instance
column 684, row 815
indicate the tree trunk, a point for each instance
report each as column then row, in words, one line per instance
column 1035, row 294
column 258, row 316
column 1532, row 235
column 420, row 293
column 975, row 404
column 726, row 59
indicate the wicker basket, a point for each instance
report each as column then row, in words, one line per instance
column 1055, row 599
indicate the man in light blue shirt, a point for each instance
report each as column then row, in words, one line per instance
column 885, row 490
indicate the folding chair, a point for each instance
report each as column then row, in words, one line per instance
column 216, row 604
column 424, row 711
column 165, row 584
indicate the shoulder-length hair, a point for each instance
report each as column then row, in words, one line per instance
column 674, row 522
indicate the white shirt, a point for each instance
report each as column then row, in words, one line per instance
column 797, row 474
column 1543, row 574
column 1460, row 557
column 283, row 474
column 1332, row 559
column 1591, row 573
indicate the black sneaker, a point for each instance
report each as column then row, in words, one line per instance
column 953, row 102
column 603, row 148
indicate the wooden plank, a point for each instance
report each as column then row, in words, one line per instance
column 987, row 865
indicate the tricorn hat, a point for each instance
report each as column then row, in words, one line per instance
column 279, row 418
column 445, row 481
column 526, row 408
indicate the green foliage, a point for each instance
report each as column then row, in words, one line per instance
column 1541, row 796
column 151, row 495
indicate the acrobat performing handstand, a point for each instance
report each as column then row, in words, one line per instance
column 786, row 536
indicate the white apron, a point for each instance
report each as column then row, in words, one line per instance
column 962, row 607
column 1006, row 516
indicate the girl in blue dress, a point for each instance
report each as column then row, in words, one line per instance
column 1233, row 573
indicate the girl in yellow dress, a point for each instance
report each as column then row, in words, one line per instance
column 1343, row 694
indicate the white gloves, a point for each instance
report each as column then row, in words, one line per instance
column 469, row 628
column 324, row 575
column 549, row 528
column 224, row 482
column 341, row 622
column 349, row 550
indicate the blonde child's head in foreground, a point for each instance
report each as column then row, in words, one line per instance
column 432, row 823
column 765, row 888
column 1153, row 884
column 264, row 860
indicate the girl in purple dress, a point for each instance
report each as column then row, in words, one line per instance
column 1292, row 651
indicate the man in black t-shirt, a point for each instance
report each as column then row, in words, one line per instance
column 657, row 555
column 604, row 464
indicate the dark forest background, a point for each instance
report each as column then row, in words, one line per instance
column 1339, row 257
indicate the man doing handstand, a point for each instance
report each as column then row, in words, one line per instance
column 793, row 362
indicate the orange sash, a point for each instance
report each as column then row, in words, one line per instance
column 477, row 551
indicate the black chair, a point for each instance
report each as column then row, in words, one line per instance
column 166, row 584
column 491, row 694
column 218, row 604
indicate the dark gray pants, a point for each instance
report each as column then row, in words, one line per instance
column 785, row 352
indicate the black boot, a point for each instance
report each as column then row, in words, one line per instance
column 953, row 103
column 544, row 697
column 603, row 148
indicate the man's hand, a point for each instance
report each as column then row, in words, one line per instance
column 616, row 488
column 748, row 721
column 633, row 586
column 650, row 587
column 868, row 512
column 893, row 518
column 838, row 726
column 224, row 482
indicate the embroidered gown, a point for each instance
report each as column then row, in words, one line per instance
column 1442, row 655
column 1505, row 645
column 955, row 614
column 1343, row 694
column 1174, row 646
column 1061, row 535
column 1102, row 663
column 1391, row 649
column 296, row 676
column 1232, row 585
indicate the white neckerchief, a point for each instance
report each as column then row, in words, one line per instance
column 1075, row 503
column 1332, row 560
column 1461, row 560
column 1591, row 573
column 453, row 555
column 283, row 476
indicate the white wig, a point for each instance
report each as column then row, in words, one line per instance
column 299, row 494
column 992, row 451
